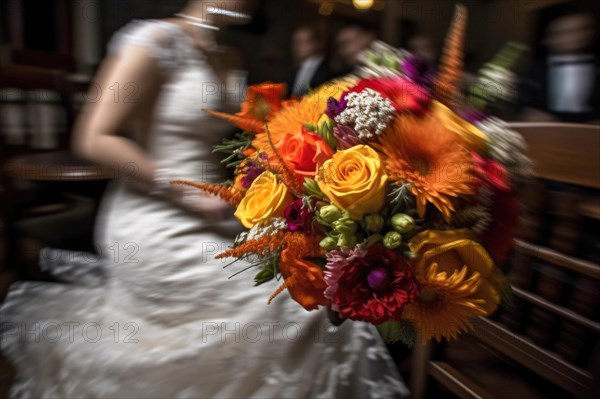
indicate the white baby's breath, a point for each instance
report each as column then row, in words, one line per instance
column 368, row 113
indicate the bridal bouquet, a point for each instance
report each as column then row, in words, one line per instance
column 380, row 195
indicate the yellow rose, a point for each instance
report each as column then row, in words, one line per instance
column 354, row 180
column 266, row 198
column 472, row 137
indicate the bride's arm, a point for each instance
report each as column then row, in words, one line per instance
column 96, row 131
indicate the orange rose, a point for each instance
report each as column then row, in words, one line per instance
column 305, row 152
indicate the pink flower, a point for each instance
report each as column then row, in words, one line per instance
column 298, row 216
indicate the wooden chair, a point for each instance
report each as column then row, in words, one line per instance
column 546, row 342
column 41, row 211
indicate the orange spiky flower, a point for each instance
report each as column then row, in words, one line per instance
column 261, row 246
column 447, row 84
column 300, row 245
column 287, row 283
column 303, row 245
column 221, row 190
column 286, row 176
column 246, row 124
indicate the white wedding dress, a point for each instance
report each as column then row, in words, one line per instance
column 155, row 315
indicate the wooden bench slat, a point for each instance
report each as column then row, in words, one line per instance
column 524, row 352
column 578, row 265
column 457, row 382
column 556, row 309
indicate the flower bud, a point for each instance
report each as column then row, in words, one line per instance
column 328, row 244
column 323, row 120
column 374, row 223
column 402, row 223
column 311, row 187
column 345, row 226
column 329, row 213
column 347, row 241
column 392, row 240
column 325, row 130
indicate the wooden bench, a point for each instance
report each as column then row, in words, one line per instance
column 545, row 342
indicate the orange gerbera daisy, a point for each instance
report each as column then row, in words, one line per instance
column 421, row 151
column 308, row 110
column 458, row 282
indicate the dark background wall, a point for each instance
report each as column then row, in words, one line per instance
column 265, row 43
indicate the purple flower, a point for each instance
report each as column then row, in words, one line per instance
column 419, row 71
column 473, row 115
column 335, row 107
column 250, row 174
column 346, row 137
column 298, row 216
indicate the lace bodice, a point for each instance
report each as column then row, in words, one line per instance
column 167, row 43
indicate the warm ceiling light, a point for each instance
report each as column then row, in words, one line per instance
column 362, row 4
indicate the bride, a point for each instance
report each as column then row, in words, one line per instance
column 154, row 315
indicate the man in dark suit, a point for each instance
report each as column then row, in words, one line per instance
column 308, row 49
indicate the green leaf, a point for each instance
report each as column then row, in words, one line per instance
column 403, row 331
column 234, row 148
column 310, row 127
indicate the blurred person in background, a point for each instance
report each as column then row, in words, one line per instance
column 308, row 51
column 155, row 316
column 564, row 82
column 351, row 40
